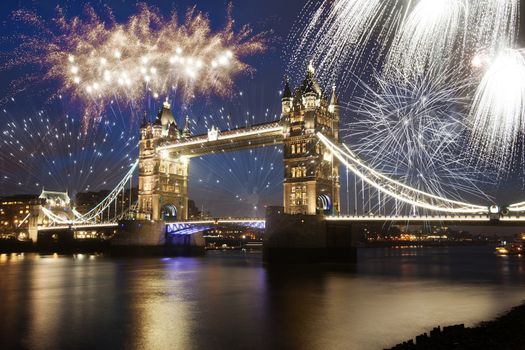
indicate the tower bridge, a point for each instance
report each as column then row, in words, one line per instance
column 309, row 223
column 311, row 179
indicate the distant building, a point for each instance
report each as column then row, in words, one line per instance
column 85, row 201
column 14, row 209
column 235, row 232
column 193, row 211
column 59, row 204
column 54, row 199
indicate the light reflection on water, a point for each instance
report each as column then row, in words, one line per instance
column 230, row 300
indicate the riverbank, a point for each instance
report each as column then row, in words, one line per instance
column 506, row 332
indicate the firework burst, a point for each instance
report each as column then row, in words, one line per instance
column 414, row 131
column 41, row 149
column 336, row 34
column 433, row 29
column 98, row 60
column 450, row 33
column 497, row 114
column 408, row 37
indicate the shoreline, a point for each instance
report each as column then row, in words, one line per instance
column 507, row 331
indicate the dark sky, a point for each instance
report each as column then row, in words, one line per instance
column 248, row 189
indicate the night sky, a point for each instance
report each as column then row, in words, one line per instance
column 251, row 184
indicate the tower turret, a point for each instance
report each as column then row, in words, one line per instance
column 286, row 99
column 334, row 102
column 165, row 119
column 335, row 109
column 311, row 89
column 186, row 132
column 144, row 123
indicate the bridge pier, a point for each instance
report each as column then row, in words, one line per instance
column 307, row 239
column 148, row 237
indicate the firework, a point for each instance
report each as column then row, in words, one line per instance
column 337, row 34
column 238, row 183
column 450, row 33
column 408, row 37
column 496, row 116
column 149, row 55
column 51, row 149
column 414, row 132
column 430, row 34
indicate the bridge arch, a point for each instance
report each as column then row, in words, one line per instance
column 169, row 212
column 324, row 203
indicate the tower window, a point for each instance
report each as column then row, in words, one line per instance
column 298, row 195
column 299, row 148
column 299, row 171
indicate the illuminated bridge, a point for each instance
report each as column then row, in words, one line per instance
column 310, row 218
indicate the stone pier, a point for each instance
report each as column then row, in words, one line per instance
column 307, row 239
column 147, row 237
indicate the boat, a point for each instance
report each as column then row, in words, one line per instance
column 510, row 249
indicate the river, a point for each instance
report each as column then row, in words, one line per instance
column 230, row 300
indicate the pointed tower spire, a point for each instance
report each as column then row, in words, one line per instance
column 186, row 131
column 144, row 121
column 166, row 103
column 311, row 69
column 310, row 84
column 286, row 99
column 333, row 107
column 334, row 100
column 287, row 92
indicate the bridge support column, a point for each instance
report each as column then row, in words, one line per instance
column 33, row 221
column 147, row 237
column 307, row 239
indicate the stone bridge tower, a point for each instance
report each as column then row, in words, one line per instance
column 163, row 181
column 311, row 179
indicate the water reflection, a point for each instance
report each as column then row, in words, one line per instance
column 230, row 300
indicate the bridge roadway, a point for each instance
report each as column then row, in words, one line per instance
column 75, row 227
column 217, row 221
column 259, row 135
column 252, row 222
column 459, row 220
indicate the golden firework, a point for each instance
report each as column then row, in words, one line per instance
column 99, row 61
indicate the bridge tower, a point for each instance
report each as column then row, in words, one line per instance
column 311, row 179
column 163, row 180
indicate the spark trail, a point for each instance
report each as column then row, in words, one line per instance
column 343, row 36
column 497, row 114
column 414, row 131
column 97, row 60
column 450, row 33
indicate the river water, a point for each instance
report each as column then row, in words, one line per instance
column 230, row 300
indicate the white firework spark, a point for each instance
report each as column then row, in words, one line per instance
column 414, row 131
column 148, row 55
column 335, row 35
column 448, row 33
column 498, row 110
column 430, row 34
column 410, row 36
